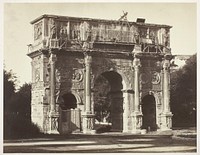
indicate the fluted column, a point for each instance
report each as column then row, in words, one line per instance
column 53, row 115
column 52, row 82
column 136, row 65
column 88, row 60
column 136, row 114
column 166, row 96
column 88, row 116
column 166, row 116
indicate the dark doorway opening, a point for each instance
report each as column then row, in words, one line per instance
column 149, row 113
column 69, row 102
column 70, row 116
column 108, row 100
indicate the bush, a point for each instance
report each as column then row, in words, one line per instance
column 16, row 126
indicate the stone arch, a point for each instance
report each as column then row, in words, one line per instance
column 149, row 110
column 61, row 93
column 115, row 98
column 154, row 93
column 78, row 99
column 69, row 101
column 69, row 113
column 125, row 81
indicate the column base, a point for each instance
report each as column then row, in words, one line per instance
column 88, row 124
column 53, row 123
column 136, row 122
column 166, row 121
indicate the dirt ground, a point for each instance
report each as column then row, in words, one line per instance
column 179, row 140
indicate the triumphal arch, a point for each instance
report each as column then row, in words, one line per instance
column 73, row 59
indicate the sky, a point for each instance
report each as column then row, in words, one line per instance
column 18, row 32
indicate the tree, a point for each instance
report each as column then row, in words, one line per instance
column 101, row 97
column 183, row 93
column 9, row 88
column 21, row 101
column 17, row 109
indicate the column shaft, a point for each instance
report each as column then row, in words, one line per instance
column 136, row 114
column 53, row 116
column 88, row 117
column 166, row 86
column 136, row 64
column 52, row 82
column 137, row 92
column 166, row 116
column 88, row 60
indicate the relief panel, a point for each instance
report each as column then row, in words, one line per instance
column 38, row 30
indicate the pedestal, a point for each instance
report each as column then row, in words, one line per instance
column 166, row 121
column 88, row 123
column 136, row 122
column 137, row 49
column 53, row 123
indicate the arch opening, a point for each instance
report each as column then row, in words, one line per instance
column 108, row 100
column 149, row 113
column 69, row 102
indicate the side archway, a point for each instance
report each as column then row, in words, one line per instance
column 149, row 113
column 69, row 119
column 69, row 101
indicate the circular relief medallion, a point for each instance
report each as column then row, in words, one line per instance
column 155, row 78
column 77, row 76
column 143, row 78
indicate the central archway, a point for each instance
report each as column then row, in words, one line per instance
column 108, row 99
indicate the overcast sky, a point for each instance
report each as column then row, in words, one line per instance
column 18, row 30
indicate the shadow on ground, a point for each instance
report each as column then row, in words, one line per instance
column 105, row 143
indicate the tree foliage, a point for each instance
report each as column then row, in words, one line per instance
column 9, row 88
column 101, row 97
column 183, row 93
column 17, row 108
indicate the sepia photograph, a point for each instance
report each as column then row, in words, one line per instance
column 99, row 77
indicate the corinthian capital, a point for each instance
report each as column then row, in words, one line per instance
column 88, row 58
column 136, row 63
column 52, row 58
column 166, row 64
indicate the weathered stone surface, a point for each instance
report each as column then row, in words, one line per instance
column 70, row 54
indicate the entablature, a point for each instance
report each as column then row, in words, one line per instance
column 62, row 32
